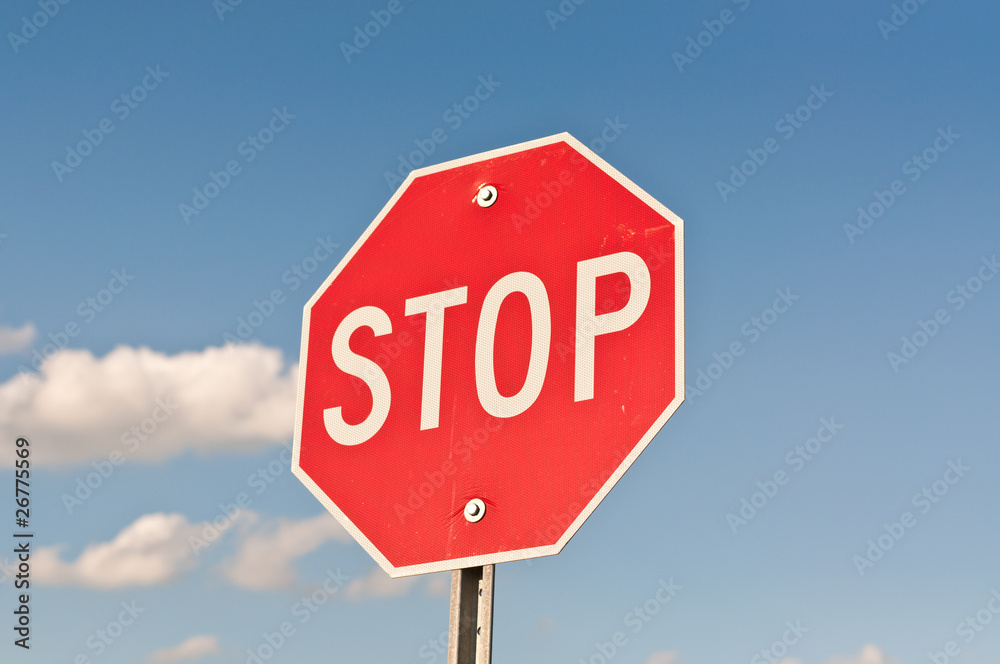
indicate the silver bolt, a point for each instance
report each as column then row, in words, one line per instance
column 475, row 509
column 487, row 196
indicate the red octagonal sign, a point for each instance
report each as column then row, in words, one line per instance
column 490, row 357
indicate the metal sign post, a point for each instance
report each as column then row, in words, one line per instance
column 470, row 627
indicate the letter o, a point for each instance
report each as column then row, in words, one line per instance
column 492, row 401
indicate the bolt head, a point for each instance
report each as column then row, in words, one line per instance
column 475, row 509
column 487, row 196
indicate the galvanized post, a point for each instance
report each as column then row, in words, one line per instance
column 470, row 627
column 484, row 641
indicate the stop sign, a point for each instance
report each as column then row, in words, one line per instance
column 490, row 357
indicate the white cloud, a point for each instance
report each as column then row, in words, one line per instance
column 265, row 555
column 153, row 550
column 14, row 340
column 438, row 585
column 870, row 654
column 239, row 397
column 378, row 584
column 662, row 657
column 193, row 648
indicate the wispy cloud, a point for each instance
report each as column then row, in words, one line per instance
column 193, row 648
column 378, row 584
column 870, row 654
column 16, row 339
column 662, row 657
column 266, row 553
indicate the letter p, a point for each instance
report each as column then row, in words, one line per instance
column 590, row 324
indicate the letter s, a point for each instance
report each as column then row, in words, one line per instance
column 363, row 368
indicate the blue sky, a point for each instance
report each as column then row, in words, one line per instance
column 199, row 82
